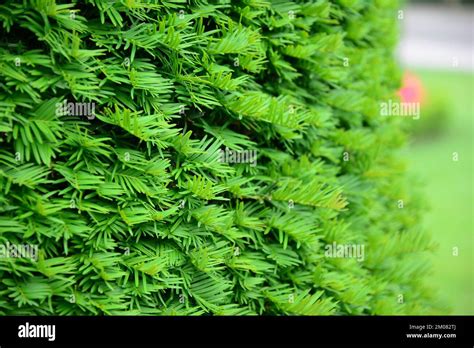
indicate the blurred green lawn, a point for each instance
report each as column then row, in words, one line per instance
column 449, row 184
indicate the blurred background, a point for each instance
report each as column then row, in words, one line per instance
column 436, row 52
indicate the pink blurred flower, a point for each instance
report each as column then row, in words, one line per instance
column 412, row 90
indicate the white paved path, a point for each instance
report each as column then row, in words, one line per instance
column 437, row 37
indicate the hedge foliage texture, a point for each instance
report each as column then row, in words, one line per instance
column 135, row 196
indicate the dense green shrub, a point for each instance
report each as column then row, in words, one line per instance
column 132, row 205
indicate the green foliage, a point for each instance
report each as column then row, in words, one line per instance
column 130, row 205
